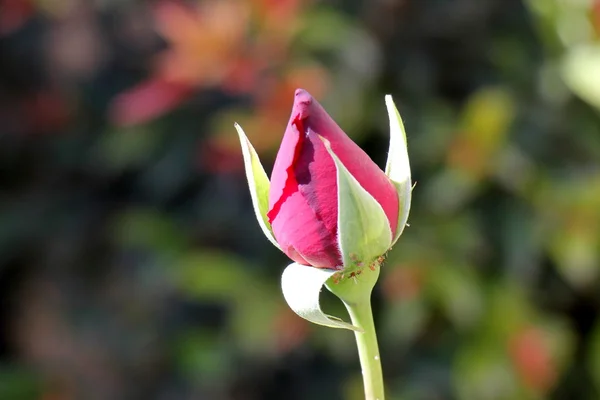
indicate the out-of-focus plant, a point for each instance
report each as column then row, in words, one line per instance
column 571, row 31
column 257, row 49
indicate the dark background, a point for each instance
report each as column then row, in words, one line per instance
column 131, row 263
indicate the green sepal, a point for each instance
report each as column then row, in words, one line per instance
column 397, row 167
column 364, row 232
column 259, row 185
column 302, row 286
column 355, row 284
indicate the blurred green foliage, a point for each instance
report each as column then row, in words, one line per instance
column 131, row 263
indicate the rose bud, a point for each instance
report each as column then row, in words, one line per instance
column 328, row 205
column 303, row 198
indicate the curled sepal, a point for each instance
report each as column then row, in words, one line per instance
column 364, row 232
column 397, row 167
column 258, row 183
column 301, row 287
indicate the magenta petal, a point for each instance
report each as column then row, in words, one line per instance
column 303, row 203
column 302, row 236
column 358, row 163
column 283, row 179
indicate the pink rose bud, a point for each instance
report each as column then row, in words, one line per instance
column 303, row 196
column 330, row 207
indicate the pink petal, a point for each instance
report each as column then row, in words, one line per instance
column 303, row 197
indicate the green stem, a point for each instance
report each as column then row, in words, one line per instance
column 354, row 289
column 368, row 351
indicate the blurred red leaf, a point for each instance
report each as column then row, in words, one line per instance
column 220, row 157
column 207, row 47
column 148, row 100
column 596, row 16
column 291, row 330
column 205, row 42
column 531, row 357
column 46, row 111
column 403, row 283
column 13, row 14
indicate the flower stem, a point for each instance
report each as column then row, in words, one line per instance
column 355, row 292
column 368, row 351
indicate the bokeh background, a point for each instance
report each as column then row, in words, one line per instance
column 131, row 263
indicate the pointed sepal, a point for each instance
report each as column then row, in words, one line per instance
column 397, row 167
column 302, row 286
column 259, row 185
column 364, row 232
